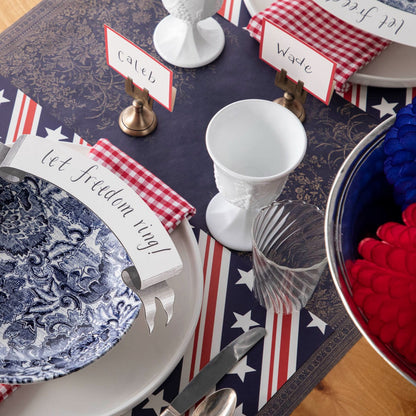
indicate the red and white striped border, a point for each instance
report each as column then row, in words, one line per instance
column 279, row 353
column 357, row 95
column 206, row 341
column 25, row 117
column 207, row 338
column 230, row 10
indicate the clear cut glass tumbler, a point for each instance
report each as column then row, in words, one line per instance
column 288, row 254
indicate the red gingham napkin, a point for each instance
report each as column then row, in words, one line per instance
column 6, row 390
column 349, row 47
column 169, row 206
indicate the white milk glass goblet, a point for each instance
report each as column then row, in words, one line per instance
column 255, row 144
column 189, row 37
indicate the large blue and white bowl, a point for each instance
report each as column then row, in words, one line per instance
column 63, row 303
column 360, row 201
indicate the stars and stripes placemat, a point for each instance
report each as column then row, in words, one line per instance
column 229, row 307
column 228, row 310
column 19, row 114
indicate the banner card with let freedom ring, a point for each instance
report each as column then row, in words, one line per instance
column 146, row 72
column 138, row 229
column 390, row 19
column 301, row 61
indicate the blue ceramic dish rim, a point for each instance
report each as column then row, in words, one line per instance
column 336, row 263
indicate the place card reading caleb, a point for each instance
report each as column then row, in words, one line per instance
column 146, row 72
column 301, row 61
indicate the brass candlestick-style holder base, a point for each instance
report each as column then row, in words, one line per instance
column 294, row 96
column 288, row 101
column 139, row 119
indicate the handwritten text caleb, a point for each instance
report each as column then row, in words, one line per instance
column 135, row 64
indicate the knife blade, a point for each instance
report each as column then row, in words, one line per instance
column 213, row 372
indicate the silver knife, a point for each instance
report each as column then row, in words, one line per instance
column 213, row 372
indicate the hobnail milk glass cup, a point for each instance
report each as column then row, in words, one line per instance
column 189, row 37
column 288, row 254
column 254, row 144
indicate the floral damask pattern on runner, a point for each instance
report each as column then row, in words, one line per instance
column 76, row 29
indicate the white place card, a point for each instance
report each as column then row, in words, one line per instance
column 146, row 241
column 146, row 72
column 302, row 62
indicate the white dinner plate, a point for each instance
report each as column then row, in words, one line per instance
column 135, row 367
column 256, row 6
column 393, row 68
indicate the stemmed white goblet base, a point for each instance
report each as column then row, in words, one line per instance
column 188, row 45
column 255, row 144
column 229, row 224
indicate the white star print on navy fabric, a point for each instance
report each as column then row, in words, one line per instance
column 239, row 410
column 156, row 402
column 55, row 134
column 244, row 321
column 385, row 107
column 3, row 99
column 241, row 369
column 247, row 278
column 317, row 322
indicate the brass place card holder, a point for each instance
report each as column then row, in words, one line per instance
column 139, row 119
column 294, row 97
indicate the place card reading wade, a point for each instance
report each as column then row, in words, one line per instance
column 302, row 62
column 143, row 236
column 130, row 61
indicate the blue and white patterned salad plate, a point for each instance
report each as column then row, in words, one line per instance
column 63, row 303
